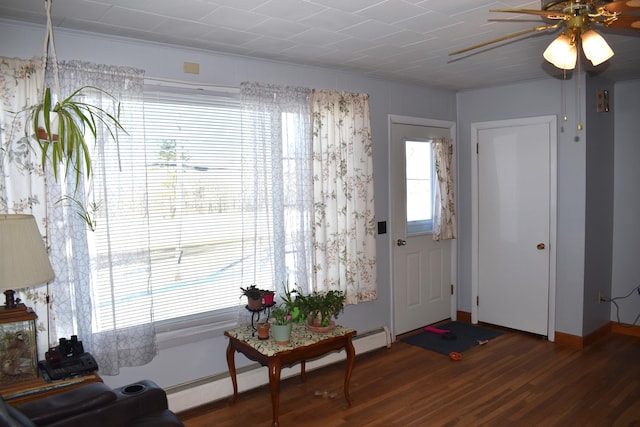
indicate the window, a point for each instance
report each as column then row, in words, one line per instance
column 420, row 175
column 189, row 211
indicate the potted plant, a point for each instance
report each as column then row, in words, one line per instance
column 292, row 304
column 254, row 297
column 60, row 126
column 321, row 308
column 281, row 325
column 60, row 129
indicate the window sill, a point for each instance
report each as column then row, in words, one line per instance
column 194, row 328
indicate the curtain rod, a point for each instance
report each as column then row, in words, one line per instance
column 159, row 81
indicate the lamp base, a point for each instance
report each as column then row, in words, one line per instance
column 9, row 301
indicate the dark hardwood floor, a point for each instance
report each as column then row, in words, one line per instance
column 514, row 380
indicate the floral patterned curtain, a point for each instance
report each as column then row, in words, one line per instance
column 22, row 182
column 344, row 221
column 444, row 218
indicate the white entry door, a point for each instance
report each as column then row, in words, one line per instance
column 515, row 223
column 422, row 268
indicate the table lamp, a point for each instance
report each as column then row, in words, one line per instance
column 23, row 258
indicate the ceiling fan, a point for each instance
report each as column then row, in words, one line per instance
column 577, row 18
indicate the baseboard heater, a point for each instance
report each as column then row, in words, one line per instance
column 205, row 390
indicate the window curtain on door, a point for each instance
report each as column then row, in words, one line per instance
column 276, row 182
column 444, row 216
column 22, row 187
column 344, row 217
column 77, row 307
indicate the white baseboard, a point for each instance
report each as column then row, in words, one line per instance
column 206, row 390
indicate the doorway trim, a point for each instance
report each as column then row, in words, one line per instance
column 418, row 121
column 551, row 122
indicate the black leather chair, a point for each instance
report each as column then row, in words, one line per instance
column 142, row 404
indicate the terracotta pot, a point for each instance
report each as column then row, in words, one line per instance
column 42, row 135
column 53, row 126
column 254, row 304
column 263, row 331
column 315, row 325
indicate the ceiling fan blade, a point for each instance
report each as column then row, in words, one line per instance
column 625, row 22
column 507, row 37
column 546, row 14
column 622, row 6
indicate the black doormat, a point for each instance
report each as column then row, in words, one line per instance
column 466, row 337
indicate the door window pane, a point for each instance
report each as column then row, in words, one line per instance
column 419, row 185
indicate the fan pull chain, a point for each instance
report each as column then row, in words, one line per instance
column 579, row 112
column 563, row 91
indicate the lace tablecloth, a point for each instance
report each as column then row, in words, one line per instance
column 300, row 337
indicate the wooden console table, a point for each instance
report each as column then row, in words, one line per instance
column 305, row 345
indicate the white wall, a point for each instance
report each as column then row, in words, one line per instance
column 599, row 206
column 207, row 357
column 626, row 200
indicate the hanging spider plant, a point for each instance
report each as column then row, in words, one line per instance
column 61, row 129
column 61, row 126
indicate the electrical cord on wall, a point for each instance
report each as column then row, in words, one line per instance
column 613, row 301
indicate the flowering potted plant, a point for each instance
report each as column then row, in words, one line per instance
column 320, row 308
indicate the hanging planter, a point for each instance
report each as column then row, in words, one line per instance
column 61, row 129
column 47, row 126
column 62, row 126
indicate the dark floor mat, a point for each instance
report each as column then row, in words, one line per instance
column 466, row 337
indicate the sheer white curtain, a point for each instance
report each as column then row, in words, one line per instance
column 277, row 195
column 444, row 218
column 75, row 252
column 344, row 222
column 78, row 253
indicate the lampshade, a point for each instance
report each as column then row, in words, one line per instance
column 562, row 53
column 595, row 47
column 23, row 258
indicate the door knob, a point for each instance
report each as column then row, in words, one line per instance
column 540, row 246
column 401, row 242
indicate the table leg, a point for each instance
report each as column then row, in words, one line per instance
column 303, row 372
column 232, row 370
column 274, row 383
column 351, row 358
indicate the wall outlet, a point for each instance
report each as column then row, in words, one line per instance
column 600, row 297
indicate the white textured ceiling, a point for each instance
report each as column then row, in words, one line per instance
column 400, row 39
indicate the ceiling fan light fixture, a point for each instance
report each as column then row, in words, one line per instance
column 562, row 53
column 595, row 47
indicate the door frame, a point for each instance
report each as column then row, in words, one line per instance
column 551, row 122
column 418, row 121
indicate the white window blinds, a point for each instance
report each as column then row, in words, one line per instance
column 188, row 212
